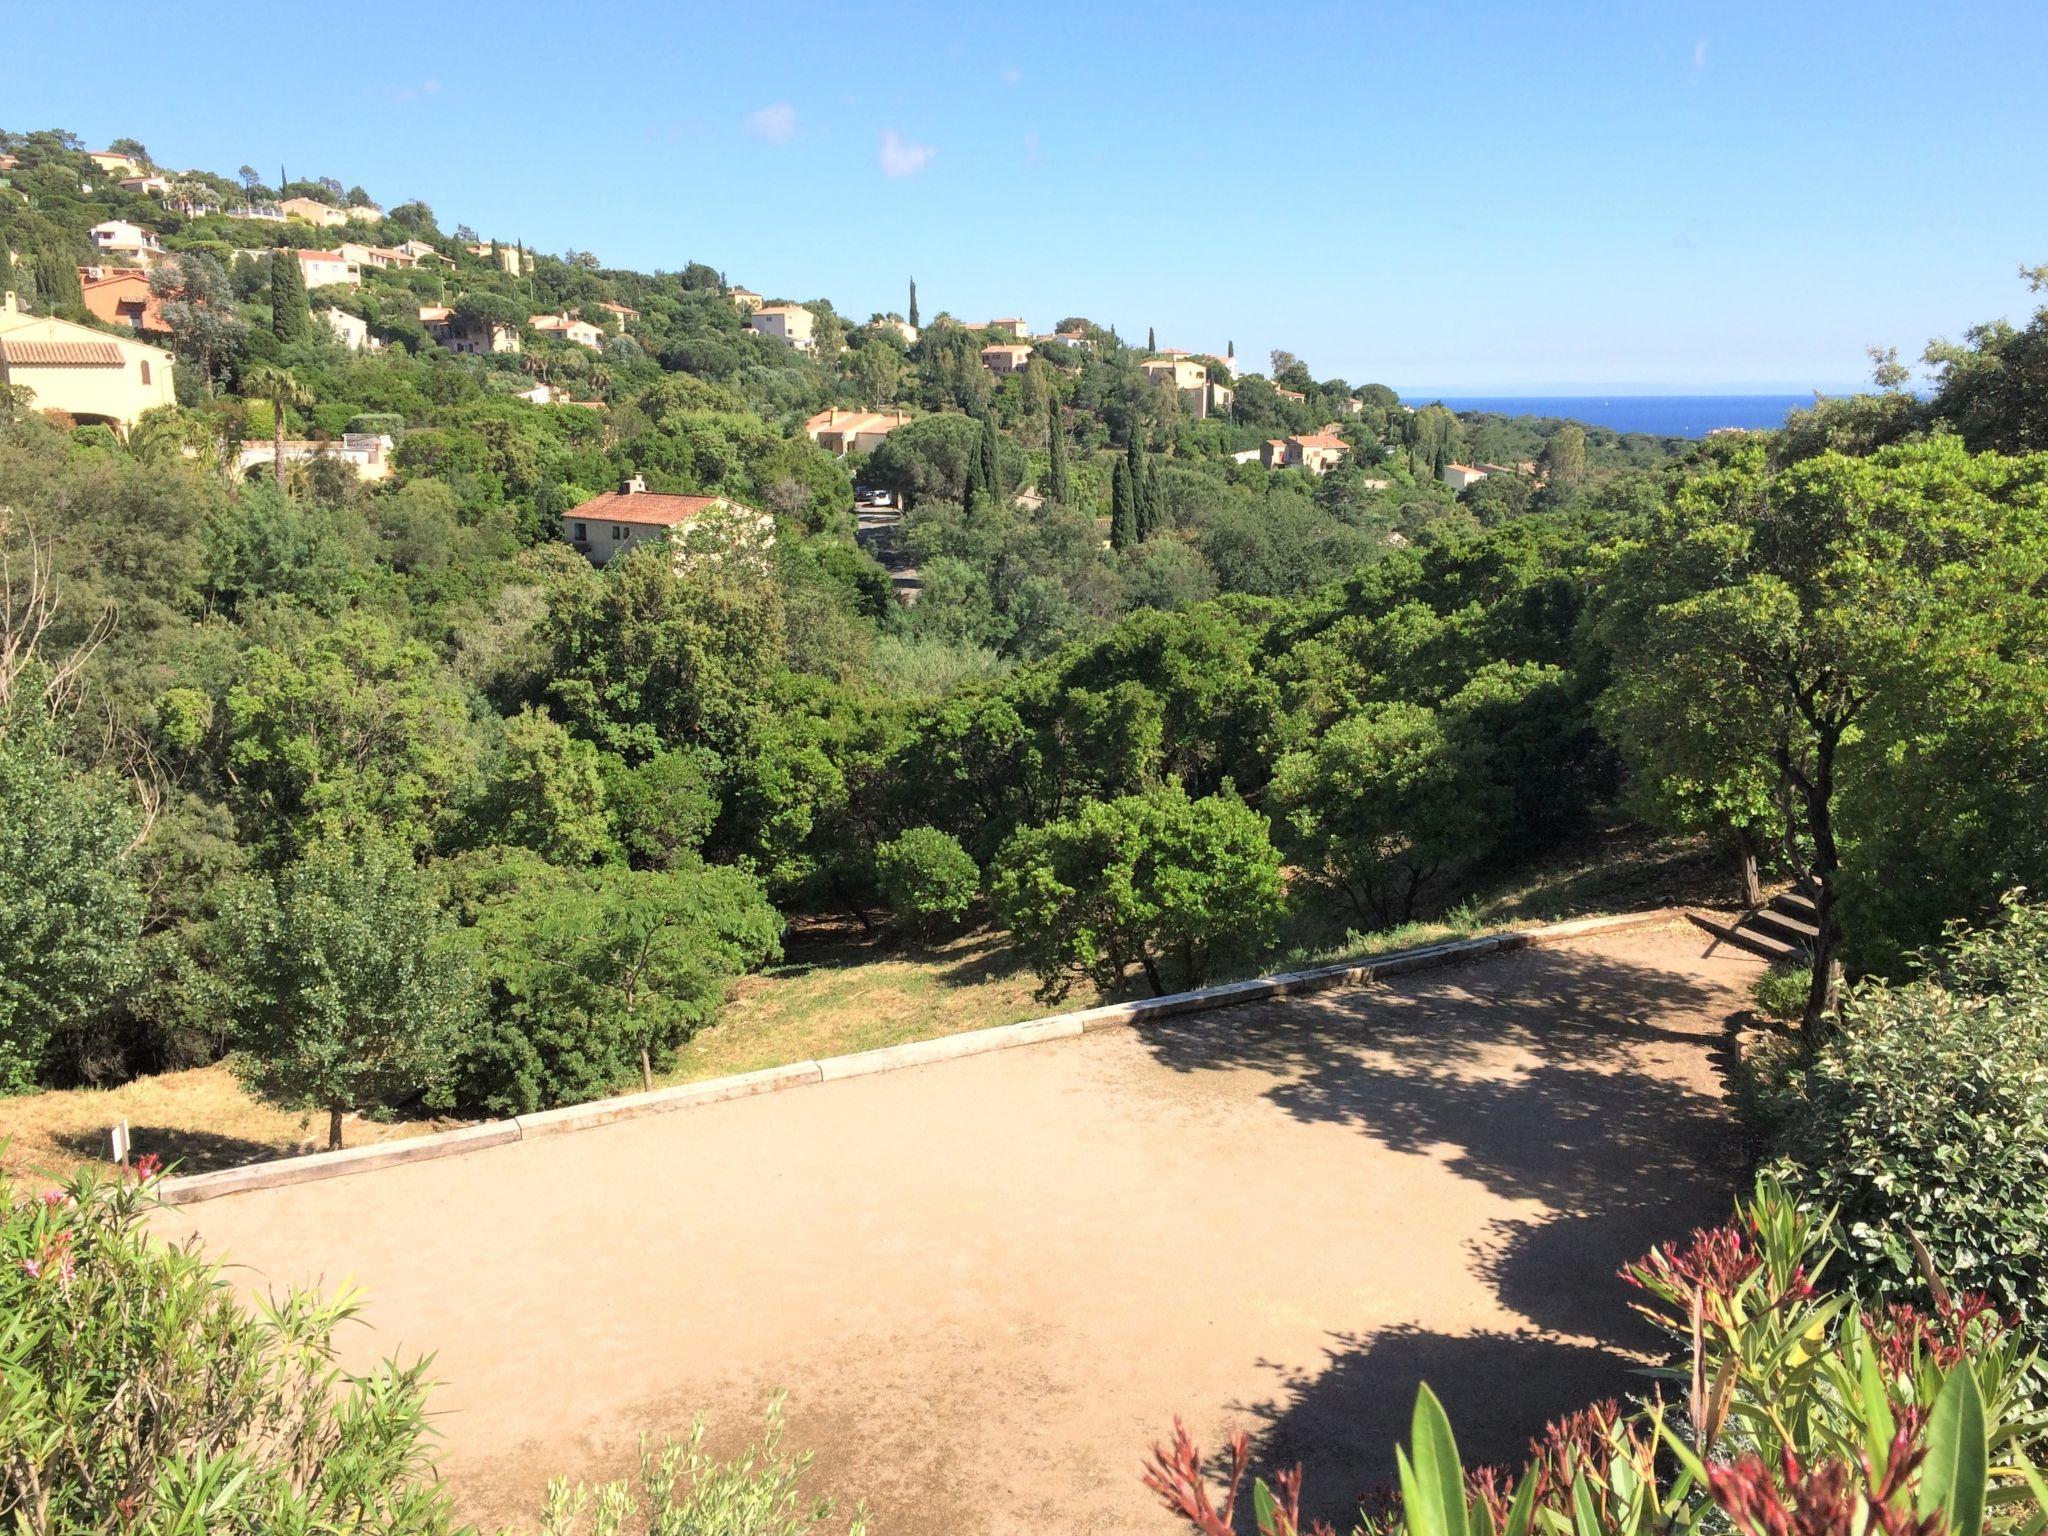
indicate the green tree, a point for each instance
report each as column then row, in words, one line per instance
column 1123, row 508
column 546, row 792
column 1057, row 487
column 1174, row 886
column 70, row 909
column 913, row 304
column 1768, row 620
column 198, row 305
column 1152, row 502
column 1383, row 804
column 1562, row 466
column 662, row 809
column 591, row 975
column 990, row 472
column 348, row 995
column 290, row 319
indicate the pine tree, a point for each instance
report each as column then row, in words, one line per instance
column 289, row 319
column 1123, row 508
column 913, row 303
column 1056, row 486
column 991, row 459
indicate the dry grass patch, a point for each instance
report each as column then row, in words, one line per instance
column 198, row 1120
column 840, row 992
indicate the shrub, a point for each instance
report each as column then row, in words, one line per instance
column 1174, row 886
column 927, row 878
column 594, row 975
column 137, row 1394
column 1793, row 1412
column 1926, row 1117
column 1780, row 993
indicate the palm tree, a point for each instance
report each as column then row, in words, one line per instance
column 281, row 387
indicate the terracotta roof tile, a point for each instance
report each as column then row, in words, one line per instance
column 651, row 508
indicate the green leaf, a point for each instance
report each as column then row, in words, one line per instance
column 1264, row 1510
column 1585, row 1518
column 1523, row 1510
column 1958, row 1455
column 1433, row 1483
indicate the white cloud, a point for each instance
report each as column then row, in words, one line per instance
column 1699, row 54
column 774, row 124
column 904, row 157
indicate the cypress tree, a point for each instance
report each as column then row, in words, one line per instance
column 6, row 270
column 1134, row 461
column 289, row 319
column 991, row 459
column 57, row 277
column 1151, row 503
column 913, row 303
column 1151, row 344
column 1056, row 453
column 1123, row 508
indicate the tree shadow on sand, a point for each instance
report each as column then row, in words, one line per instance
column 1574, row 1080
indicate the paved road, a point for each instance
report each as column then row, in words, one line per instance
column 989, row 1283
column 878, row 531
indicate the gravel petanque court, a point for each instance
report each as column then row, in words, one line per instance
column 988, row 1284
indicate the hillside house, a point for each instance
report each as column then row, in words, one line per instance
column 790, row 324
column 375, row 255
column 619, row 312
column 1462, row 476
column 843, row 432
column 1316, row 452
column 268, row 212
column 745, row 300
column 130, row 242
column 363, row 213
column 87, row 374
column 1351, row 405
column 900, row 326
column 352, row 331
column 512, row 261
column 463, row 333
column 308, row 210
column 421, row 251
column 1290, row 394
column 116, row 164
column 608, row 525
column 565, row 328
column 149, row 186
column 367, row 453
column 1191, row 380
column 121, row 296
column 1011, row 327
column 1006, row 357
column 324, row 269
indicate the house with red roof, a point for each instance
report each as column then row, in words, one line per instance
column 607, row 526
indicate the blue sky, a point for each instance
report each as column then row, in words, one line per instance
column 1462, row 196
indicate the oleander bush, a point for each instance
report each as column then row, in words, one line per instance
column 1795, row 1410
column 140, row 1396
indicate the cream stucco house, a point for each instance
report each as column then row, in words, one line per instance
column 322, row 269
column 843, row 432
column 131, row 242
column 790, row 324
column 87, row 374
column 581, row 332
column 1460, row 476
column 311, row 210
column 1316, row 452
column 1006, row 357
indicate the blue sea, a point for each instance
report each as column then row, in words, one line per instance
column 1664, row 415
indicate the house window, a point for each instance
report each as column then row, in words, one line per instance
column 582, row 533
column 145, row 372
column 618, row 533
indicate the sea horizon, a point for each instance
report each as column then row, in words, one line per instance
column 1677, row 413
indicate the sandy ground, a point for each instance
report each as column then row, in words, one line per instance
column 989, row 1284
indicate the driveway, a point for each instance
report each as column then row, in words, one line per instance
column 989, row 1283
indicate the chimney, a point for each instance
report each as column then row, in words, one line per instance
column 632, row 487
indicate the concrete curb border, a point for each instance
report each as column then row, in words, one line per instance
column 312, row 1166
